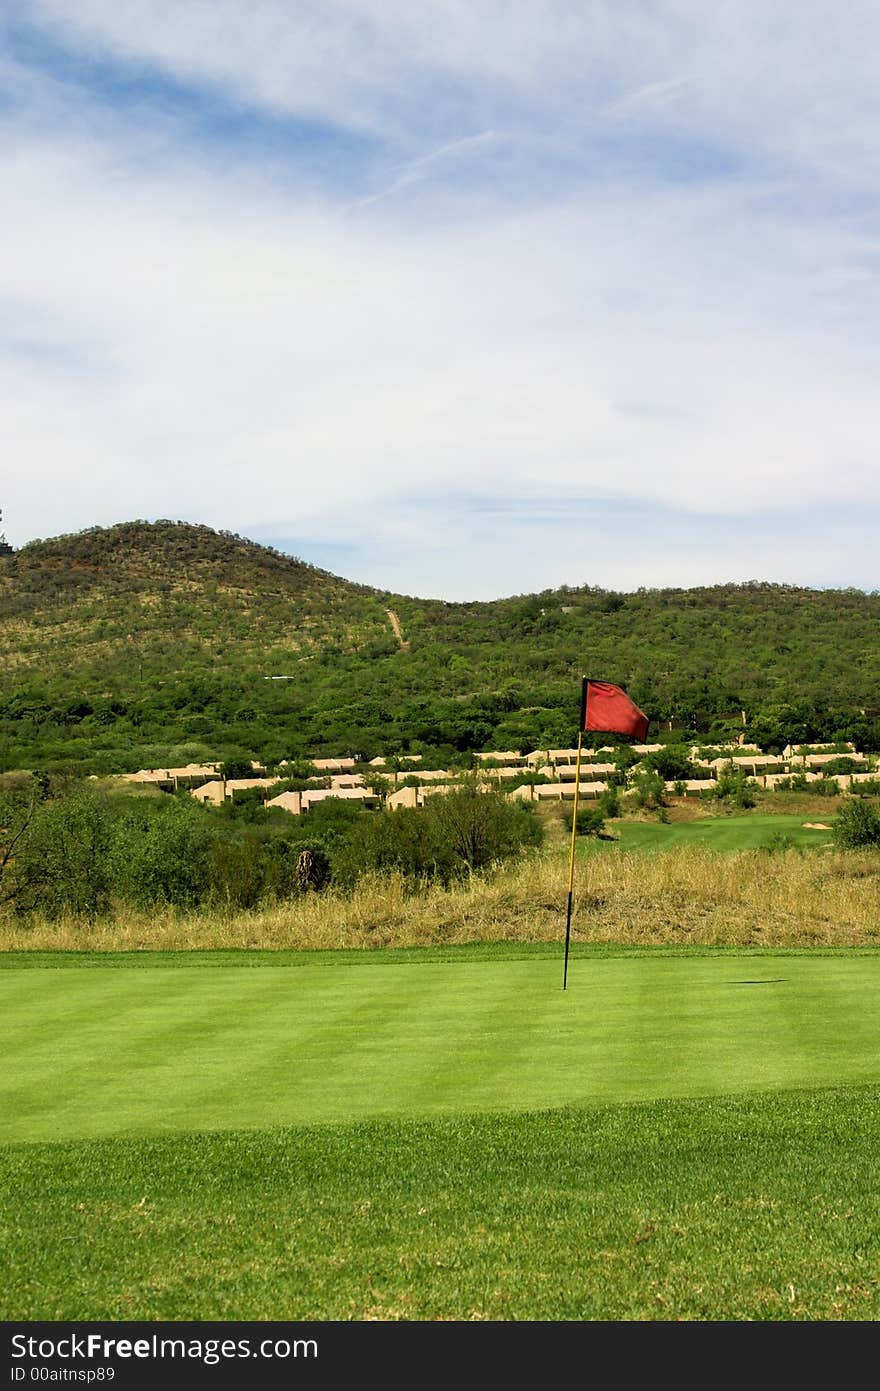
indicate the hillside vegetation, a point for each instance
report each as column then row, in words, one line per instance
column 148, row 643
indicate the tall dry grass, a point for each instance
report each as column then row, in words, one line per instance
column 686, row 895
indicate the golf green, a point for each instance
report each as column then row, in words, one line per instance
column 142, row 1049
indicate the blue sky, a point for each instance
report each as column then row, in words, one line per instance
column 461, row 300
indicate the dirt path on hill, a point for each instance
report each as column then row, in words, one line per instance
column 396, row 628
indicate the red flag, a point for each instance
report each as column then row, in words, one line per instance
column 609, row 710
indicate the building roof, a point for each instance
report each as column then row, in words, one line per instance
column 567, row 771
column 191, row 770
column 749, row 760
column 507, row 756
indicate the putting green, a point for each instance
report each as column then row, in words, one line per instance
column 141, row 1049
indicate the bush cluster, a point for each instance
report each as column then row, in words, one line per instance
column 81, row 850
column 856, row 825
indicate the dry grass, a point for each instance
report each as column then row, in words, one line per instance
column 688, row 895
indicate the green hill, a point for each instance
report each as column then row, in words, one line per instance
column 145, row 641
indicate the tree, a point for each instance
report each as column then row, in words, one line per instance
column 481, row 827
column 236, row 768
column 312, row 869
column 18, row 807
column 648, row 790
column 64, row 862
column 672, row 762
column 734, row 788
column 162, row 852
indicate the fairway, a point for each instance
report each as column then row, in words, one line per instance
column 724, row 833
column 110, row 1049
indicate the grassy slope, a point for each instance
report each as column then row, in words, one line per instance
column 168, row 599
column 138, row 635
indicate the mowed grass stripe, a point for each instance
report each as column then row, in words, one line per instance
column 140, row 1052
column 762, row 1021
column 837, row 1015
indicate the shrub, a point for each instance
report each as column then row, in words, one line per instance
column 312, row 869
column 840, row 766
column 590, row 821
column 237, row 768
column 292, row 867
column 857, row 824
column 826, row 787
column 671, row 762
column 236, row 872
column 330, row 822
column 778, row 843
column 870, row 788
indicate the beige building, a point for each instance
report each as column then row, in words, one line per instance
column 562, row 758
column 346, row 781
column 380, row 761
column 566, row 772
column 771, row 780
column 798, row 750
column 417, row 796
column 557, row 791
column 287, row 801
column 753, row 764
column 499, row 775
column 817, row 761
column 298, row 803
column 213, row 793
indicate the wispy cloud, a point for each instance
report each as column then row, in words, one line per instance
column 652, row 95
column 420, row 168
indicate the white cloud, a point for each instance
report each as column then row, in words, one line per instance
column 218, row 346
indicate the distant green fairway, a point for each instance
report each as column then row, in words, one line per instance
column 443, row 1134
column 121, row 1048
column 750, row 831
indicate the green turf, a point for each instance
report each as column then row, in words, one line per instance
column 140, row 1051
column 441, row 1135
column 703, row 1209
column 750, row 831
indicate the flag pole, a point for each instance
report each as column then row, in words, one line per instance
column 574, row 812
